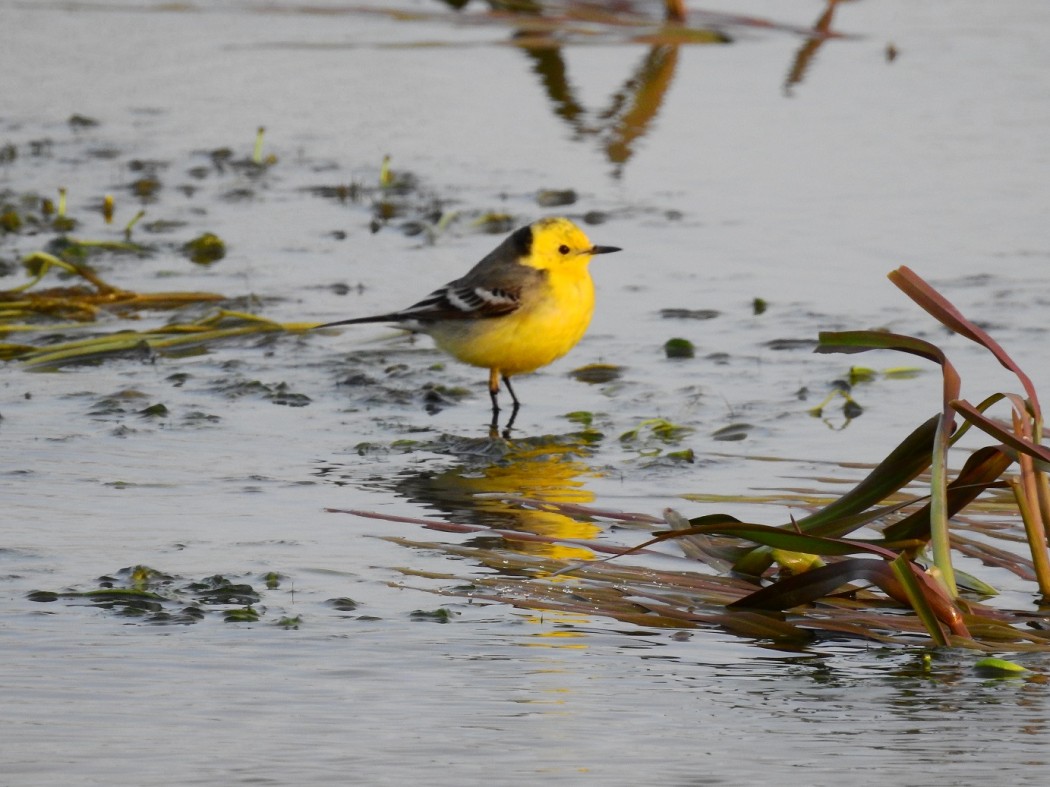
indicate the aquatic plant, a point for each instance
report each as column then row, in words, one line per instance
column 79, row 304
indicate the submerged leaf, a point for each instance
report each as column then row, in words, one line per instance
column 205, row 249
column 679, row 348
column 999, row 667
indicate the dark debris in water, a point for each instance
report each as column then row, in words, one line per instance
column 205, row 248
column 679, row 348
column 689, row 314
column 343, row 604
column 597, row 373
column 278, row 393
column 792, row 344
column 554, row 198
column 732, row 432
column 439, row 615
column 78, row 121
column 153, row 597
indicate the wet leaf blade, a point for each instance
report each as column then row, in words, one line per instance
column 806, row 588
column 916, row 594
column 939, row 307
column 900, row 467
column 1001, row 432
column 982, row 470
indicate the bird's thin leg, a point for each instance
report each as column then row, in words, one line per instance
column 513, row 410
column 494, row 389
column 513, row 397
column 494, row 395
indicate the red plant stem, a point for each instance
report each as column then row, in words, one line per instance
column 915, row 287
column 1032, row 510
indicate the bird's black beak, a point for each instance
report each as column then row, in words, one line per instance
column 604, row 249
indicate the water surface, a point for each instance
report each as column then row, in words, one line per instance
column 767, row 170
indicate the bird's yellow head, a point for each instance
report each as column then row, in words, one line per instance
column 558, row 243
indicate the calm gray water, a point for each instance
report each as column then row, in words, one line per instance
column 740, row 186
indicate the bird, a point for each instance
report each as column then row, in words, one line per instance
column 523, row 306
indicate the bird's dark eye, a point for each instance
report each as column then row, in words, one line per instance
column 563, row 249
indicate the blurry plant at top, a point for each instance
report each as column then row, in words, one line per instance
column 807, row 53
column 674, row 10
column 543, row 29
column 628, row 112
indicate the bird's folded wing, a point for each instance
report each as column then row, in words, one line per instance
column 459, row 301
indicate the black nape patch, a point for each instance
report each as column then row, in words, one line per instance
column 522, row 241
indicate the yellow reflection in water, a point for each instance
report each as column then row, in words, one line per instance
column 562, row 639
column 542, row 469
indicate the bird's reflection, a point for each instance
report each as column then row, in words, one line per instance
column 547, row 469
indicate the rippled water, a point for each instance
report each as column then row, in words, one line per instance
column 767, row 171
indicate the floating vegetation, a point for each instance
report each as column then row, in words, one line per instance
column 589, row 434
column 655, row 429
column 290, row 622
column 278, row 393
column 81, row 302
column 994, row 667
column 597, row 373
column 791, row 344
column 815, row 577
column 839, row 389
column 732, row 432
column 78, row 122
column 205, row 249
column 439, row 615
column 396, row 198
column 157, row 598
column 22, row 308
column 343, row 604
column 495, row 223
column 679, row 348
column 163, row 599
column 554, row 198
column 168, row 339
column 689, row 314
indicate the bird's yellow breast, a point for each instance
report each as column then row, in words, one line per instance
column 549, row 323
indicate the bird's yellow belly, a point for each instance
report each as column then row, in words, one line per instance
column 523, row 341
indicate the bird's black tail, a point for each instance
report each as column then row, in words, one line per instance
column 355, row 320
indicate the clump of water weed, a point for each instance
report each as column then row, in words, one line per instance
column 205, row 249
column 154, row 597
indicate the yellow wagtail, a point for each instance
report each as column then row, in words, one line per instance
column 525, row 305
